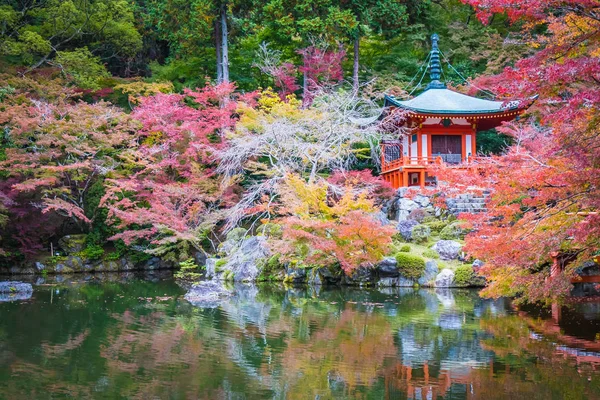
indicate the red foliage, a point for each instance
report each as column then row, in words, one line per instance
column 321, row 68
column 546, row 190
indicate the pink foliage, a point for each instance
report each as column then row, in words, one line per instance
column 321, row 69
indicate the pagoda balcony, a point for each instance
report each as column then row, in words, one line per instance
column 456, row 160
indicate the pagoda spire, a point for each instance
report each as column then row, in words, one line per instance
column 435, row 67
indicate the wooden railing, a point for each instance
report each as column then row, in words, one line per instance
column 405, row 161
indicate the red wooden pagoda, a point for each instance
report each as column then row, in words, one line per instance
column 443, row 125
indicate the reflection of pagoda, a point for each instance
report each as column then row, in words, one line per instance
column 443, row 125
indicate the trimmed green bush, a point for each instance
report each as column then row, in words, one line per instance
column 463, row 275
column 410, row 265
column 451, row 232
column 405, row 249
column 430, row 253
column 436, row 226
column 420, row 233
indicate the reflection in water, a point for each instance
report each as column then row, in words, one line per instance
column 142, row 340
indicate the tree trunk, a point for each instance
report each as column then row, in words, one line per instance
column 224, row 44
column 305, row 89
column 218, row 50
column 355, row 82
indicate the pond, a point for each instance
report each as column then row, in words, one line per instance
column 142, row 340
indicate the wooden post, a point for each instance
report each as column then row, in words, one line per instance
column 422, row 178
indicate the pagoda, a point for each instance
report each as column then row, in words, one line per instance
column 442, row 127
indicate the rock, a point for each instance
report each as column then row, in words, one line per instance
column 407, row 204
column 405, row 229
column 314, row 278
column 71, row 244
column 242, row 259
column 431, row 271
column 402, row 215
column 200, row 258
column 10, row 291
column 422, row 200
column 401, row 191
column 331, row 275
column 360, row 276
column 387, row 282
column 382, row 218
column 447, row 249
column 295, row 275
column 405, row 282
column 388, row 267
column 444, row 279
column 207, row 294
column 39, row 266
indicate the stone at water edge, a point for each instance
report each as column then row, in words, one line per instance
column 295, row 275
column 15, row 290
column 444, row 279
column 431, row 271
column 388, row 267
column 447, row 249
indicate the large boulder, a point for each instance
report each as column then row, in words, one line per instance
column 10, row 291
column 295, row 274
column 360, row 276
column 405, row 228
column 447, row 249
column 444, row 279
column 388, row 267
column 242, row 260
column 422, row 200
column 431, row 271
column 71, row 244
column 207, row 294
column 404, row 208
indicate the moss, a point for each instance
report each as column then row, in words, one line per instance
column 404, row 249
column 237, row 234
column 430, row 253
column 270, row 266
column 270, row 230
column 228, row 276
column 463, row 275
column 436, row 226
column 411, row 266
column 451, row 232
column 220, row 263
column 420, row 233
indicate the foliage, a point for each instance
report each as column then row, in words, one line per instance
column 430, row 253
column 321, row 230
column 410, row 266
column 452, row 231
column 188, row 270
column 82, row 68
column 171, row 200
column 404, row 249
column 420, row 233
column 545, row 189
column 463, row 276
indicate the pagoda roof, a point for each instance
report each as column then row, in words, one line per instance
column 445, row 101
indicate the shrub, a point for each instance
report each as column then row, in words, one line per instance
column 420, row 233
column 404, row 249
column 236, row 234
column 410, row 265
column 451, row 232
column 270, row 230
column 92, row 252
column 430, row 253
column 188, row 269
column 463, row 275
column 436, row 226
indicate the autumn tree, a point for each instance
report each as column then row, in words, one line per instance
column 545, row 191
column 170, row 200
column 324, row 227
column 277, row 138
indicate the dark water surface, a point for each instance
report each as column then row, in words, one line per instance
column 142, row 340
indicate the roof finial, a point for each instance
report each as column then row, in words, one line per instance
column 435, row 68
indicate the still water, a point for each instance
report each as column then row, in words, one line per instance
column 142, row 340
